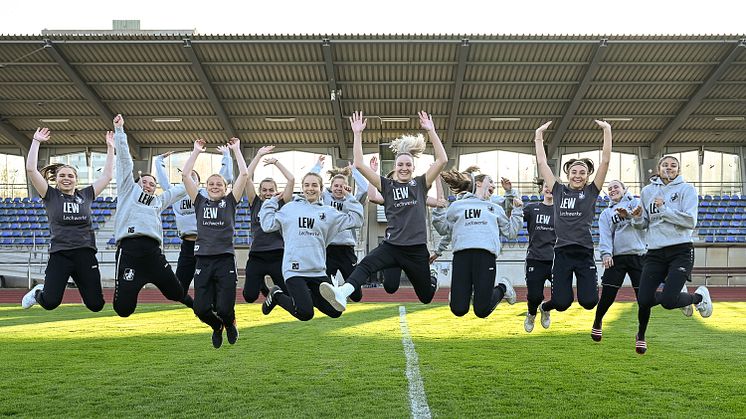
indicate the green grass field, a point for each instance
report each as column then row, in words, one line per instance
column 159, row 362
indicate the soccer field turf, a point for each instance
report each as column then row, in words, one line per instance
column 159, row 362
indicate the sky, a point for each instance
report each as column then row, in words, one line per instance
column 577, row 17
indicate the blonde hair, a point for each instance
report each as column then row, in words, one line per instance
column 464, row 181
column 318, row 176
column 411, row 145
column 339, row 173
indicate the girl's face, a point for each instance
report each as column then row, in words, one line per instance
column 404, row 168
column 338, row 188
column 578, row 176
column 668, row 169
column 490, row 185
column 267, row 190
column 615, row 191
column 147, row 183
column 66, row 179
column 311, row 188
column 216, row 187
column 546, row 190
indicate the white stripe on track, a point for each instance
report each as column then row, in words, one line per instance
column 417, row 397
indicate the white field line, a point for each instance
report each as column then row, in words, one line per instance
column 417, row 397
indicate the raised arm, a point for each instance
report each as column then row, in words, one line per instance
column 125, row 182
column 191, row 186
column 268, row 215
column 319, row 165
column 108, row 172
column 250, row 189
column 287, row 193
column 226, row 164
column 243, row 172
column 358, row 123
column 374, row 195
column 441, row 159
column 361, row 185
column 161, row 176
column 603, row 167
column 541, row 157
column 32, row 171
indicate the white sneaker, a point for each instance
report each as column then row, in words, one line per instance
column 705, row 306
column 688, row 310
column 333, row 295
column 528, row 324
column 30, row 298
column 510, row 295
column 545, row 319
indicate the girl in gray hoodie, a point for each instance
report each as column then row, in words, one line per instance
column 308, row 227
column 668, row 212
column 622, row 246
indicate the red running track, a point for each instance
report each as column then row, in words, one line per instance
column 404, row 295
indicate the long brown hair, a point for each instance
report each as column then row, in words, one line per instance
column 49, row 172
column 464, row 181
column 339, row 173
column 588, row 163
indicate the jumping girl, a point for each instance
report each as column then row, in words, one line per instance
column 72, row 249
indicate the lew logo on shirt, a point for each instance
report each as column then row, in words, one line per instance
column 472, row 213
column 70, row 208
column 210, row 213
column 400, row 193
column 543, row 219
column 305, row 222
column 568, row 203
column 186, row 204
column 145, row 198
column 337, row 205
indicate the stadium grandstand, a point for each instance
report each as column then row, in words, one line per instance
column 680, row 95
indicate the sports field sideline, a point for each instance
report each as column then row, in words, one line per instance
column 159, row 362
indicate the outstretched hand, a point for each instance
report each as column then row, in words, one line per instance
column 374, row 164
column 506, row 184
column 603, row 124
column 110, row 139
column 223, row 149
column 540, row 131
column 265, row 150
column 637, row 212
column 118, row 121
column 426, row 121
column 42, row 134
column 199, row 145
column 357, row 122
column 321, row 160
column 234, row 144
column 270, row 160
column 622, row 212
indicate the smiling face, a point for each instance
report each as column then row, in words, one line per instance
column 147, row 183
column 338, row 187
column 404, row 168
column 267, row 189
column 312, row 187
column 216, row 187
column 578, row 176
column 668, row 169
column 480, row 179
column 615, row 190
column 67, row 179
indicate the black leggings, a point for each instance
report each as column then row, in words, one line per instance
column 672, row 266
column 303, row 295
column 342, row 259
column 391, row 279
column 139, row 261
column 258, row 265
column 612, row 280
column 185, row 266
column 80, row 265
column 215, row 290
column 537, row 273
column 568, row 260
column 474, row 270
column 414, row 261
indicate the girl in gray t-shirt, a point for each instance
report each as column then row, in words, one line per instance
column 574, row 206
column 72, row 251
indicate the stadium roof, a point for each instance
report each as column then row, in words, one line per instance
column 298, row 90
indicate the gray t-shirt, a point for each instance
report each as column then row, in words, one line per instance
column 404, row 204
column 573, row 214
column 261, row 241
column 540, row 225
column 215, row 225
column 70, row 219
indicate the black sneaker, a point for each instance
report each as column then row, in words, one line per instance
column 270, row 302
column 217, row 337
column 231, row 332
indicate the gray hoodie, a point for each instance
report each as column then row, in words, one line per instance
column 476, row 223
column 186, row 221
column 673, row 223
column 345, row 237
column 307, row 229
column 138, row 213
column 617, row 235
